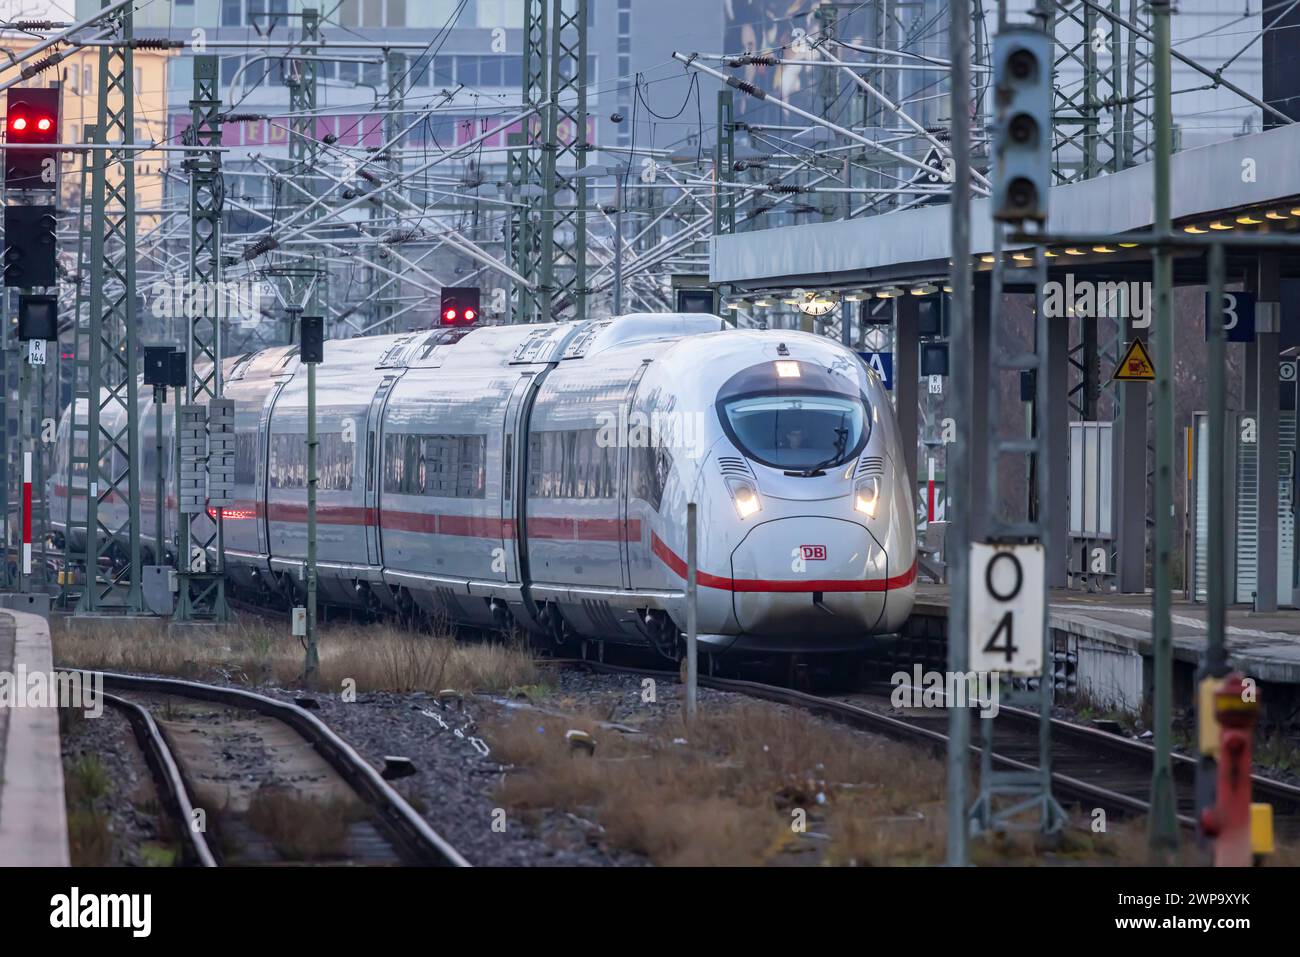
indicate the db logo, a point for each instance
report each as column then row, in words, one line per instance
column 813, row 553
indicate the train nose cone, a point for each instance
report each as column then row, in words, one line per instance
column 809, row 577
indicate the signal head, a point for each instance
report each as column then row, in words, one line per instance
column 1022, row 65
column 460, row 306
column 1023, row 129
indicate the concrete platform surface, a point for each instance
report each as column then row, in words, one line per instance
column 33, row 823
column 1264, row 646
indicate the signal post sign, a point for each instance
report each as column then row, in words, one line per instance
column 1008, row 600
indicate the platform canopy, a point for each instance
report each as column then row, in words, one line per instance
column 914, row 244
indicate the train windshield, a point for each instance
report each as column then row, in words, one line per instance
column 797, row 432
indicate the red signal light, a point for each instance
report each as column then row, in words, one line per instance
column 19, row 123
column 459, row 306
column 44, row 123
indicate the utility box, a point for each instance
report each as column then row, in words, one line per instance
column 1241, row 506
column 158, row 585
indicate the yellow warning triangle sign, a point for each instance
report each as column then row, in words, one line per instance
column 1136, row 366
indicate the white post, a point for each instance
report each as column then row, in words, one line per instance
column 692, row 668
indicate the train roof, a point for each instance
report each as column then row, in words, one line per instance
column 486, row 346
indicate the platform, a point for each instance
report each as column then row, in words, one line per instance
column 33, row 824
column 1109, row 639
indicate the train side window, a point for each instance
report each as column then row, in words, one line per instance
column 334, row 462
column 571, row 463
column 650, row 474
column 455, row 465
column 246, row 457
column 393, row 462
column 442, row 466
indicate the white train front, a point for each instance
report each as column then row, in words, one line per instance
column 540, row 475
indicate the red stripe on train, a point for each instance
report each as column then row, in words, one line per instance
column 678, row 566
column 461, row 526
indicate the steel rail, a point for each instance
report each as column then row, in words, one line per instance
column 167, row 774
column 413, row 836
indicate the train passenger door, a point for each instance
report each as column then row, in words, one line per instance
column 513, row 434
column 374, row 418
column 630, row 455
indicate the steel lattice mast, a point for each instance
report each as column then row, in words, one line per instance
column 563, row 277
column 526, row 169
column 112, row 387
column 202, row 552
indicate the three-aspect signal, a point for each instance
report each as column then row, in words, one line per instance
column 32, row 119
column 460, row 306
column 1022, row 131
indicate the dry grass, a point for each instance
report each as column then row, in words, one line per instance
column 727, row 797
column 730, row 794
column 301, row 828
column 375, row 658
column 90, row 842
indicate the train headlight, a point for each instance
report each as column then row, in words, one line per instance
column 866, row 496
column 745, row 497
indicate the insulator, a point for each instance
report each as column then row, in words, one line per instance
column 329, row 139
column 43, row 64
column 370, row 177
column 156, row 43
column 757, row 59
column 36, row 25
column 785, row 188
column 263, row 245
column 242, row 117
column 403, row 236
column 746, row 87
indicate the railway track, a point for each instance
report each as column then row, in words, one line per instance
column 1092, row 767
column 408, row 834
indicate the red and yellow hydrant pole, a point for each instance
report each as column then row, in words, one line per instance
column 1240, row 830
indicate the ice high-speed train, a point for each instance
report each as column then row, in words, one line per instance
column 539, row 475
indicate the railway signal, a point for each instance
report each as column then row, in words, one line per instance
column 312, row 354
column 38, row 318
column 1022, row 132
column 163, row 366
column 37, row 324
column 29, row 246
column 32, row 119
column 460, row 306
